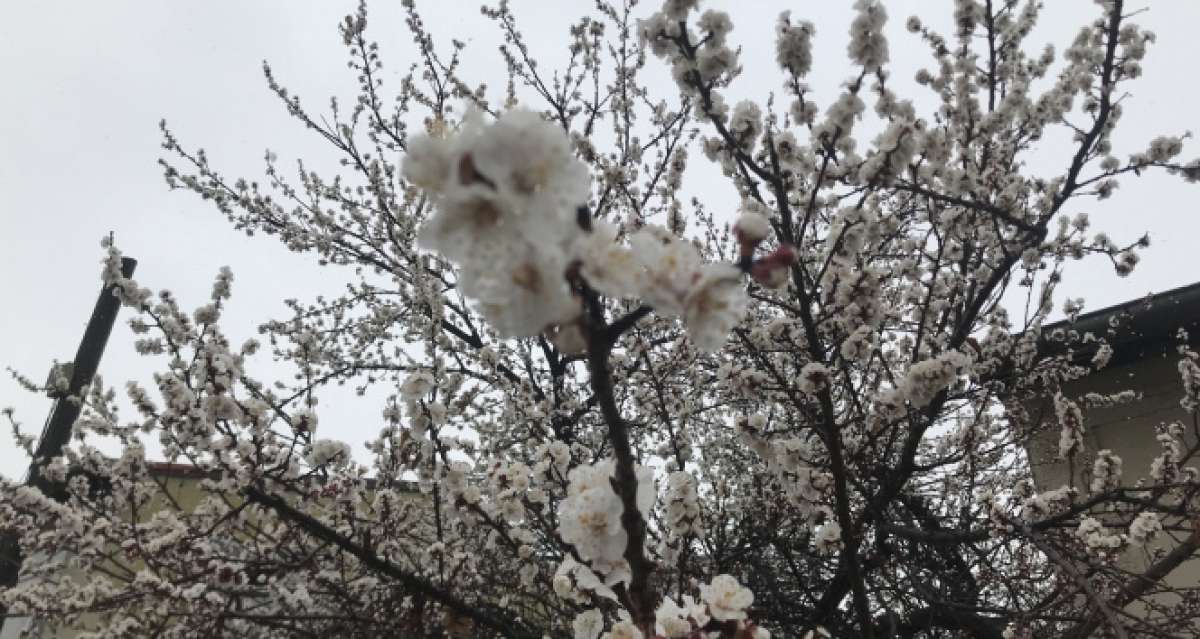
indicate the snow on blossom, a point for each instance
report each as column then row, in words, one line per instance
column 671, row 620
column 207, row 314
column 683, row 508
column 569, row 338
column 679, row 9
column 803, row 112
column 531, row 160
column 774, row 269
column 523, row 292
column 1189, row 375
column 428, row 162
column 814, row 377
column 966, row 16
column 840, row 117
column 895, row 148
column 1044, row 503
column 559, row 454
column 726, row 598
column 857, row 345
column 563, row 587
column 656, row 31
column 304, row 421
column 712, row 62
column 472, row 222
column 899, row 244
column 1165, row 466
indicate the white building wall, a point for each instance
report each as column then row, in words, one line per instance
column 1128, row 430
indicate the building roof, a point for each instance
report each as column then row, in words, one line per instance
column 188, row 471
column 182, row 471
column 1145, row 327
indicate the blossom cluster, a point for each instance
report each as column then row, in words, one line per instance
column 1106, row 471
column 506, row 197
column 1070, row 420
column 723, row 604
column 590, row 516
column 1096, row 537
column 876, row 374
column 511, row 202
column 1145, row 527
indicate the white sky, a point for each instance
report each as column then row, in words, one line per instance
column 87, row 82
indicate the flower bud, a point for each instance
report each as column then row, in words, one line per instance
column 750, row 230
column 772, row 270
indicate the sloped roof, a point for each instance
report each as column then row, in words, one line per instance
column 1145, row 327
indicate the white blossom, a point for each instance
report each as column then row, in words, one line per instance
column 506, row 214
column 925, row 379
column 522, row 327
column 326, row 451
column 1144, row 527
column 793, row 44
column 624, row 629
column 726, row 598
column 710, row 297
column 746, row 124
column 608, row 266
column 1093, row 534
column 590, row 515
column 1106, row 471
column 868, row 47
column 828, row 537
column 714, row 305
column 717, row 24
column 1070, row 420
column 588, row 624
column 673, row 620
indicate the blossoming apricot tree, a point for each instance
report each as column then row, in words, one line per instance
column 614, row 412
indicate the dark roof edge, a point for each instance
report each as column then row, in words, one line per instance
column 1148, row 325
column 188, row 471
column 1187, row 295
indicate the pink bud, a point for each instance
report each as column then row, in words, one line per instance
column 785, row 255
column 769, row 275
column 772, row 270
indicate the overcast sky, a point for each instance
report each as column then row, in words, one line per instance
column 87, row 82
